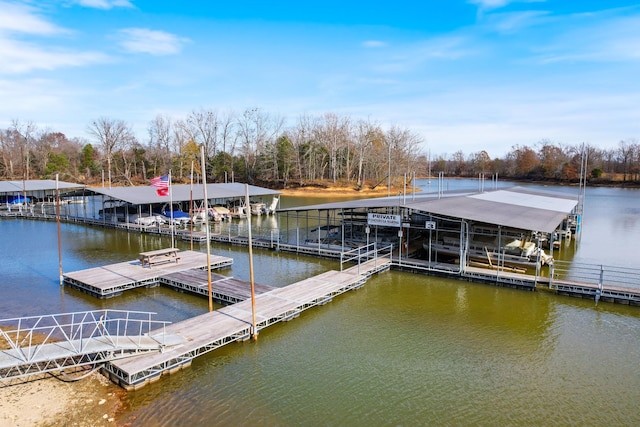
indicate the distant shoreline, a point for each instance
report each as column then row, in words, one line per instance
column 348, row 191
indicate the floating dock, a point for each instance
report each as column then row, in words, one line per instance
column 224, row 289
column 111, row 280
column 210, row 331
column 625, row 290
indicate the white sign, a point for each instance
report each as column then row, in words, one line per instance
column 385, row 220
column 430, row 225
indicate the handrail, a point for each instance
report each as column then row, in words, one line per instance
column 27, row 336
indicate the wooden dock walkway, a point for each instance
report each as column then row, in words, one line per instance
column 212, row 330
column 224, row 289
column 111, row 280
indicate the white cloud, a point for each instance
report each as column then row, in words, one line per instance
column 24, row 56
column 490, row 4
column 510, row 22
column 105, row 4
column 374, row 44
column 613, row 40
column 497, row 4
column 19, row 57
column 143, row 40
column 17, row 18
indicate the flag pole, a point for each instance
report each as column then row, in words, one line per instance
column 254, row 333
column 172, row 219
column 59, row 238
column 191, row 206
column 206, row 225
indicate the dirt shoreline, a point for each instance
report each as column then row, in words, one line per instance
column 339, row 192
column 49, row 402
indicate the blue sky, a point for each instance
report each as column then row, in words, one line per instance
column 463, row 74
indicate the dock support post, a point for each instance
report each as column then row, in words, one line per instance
column 600, row 281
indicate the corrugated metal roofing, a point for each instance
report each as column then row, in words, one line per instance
column 143, row 195
column 378, row 202
column 35, row 185
column 515, row 207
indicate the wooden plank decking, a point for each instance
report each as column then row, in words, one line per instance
column 212, row 330
column 113, row 279
column 224, row 289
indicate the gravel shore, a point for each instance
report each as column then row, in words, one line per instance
column 93, row 401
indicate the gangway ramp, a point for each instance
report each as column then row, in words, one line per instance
column 55, row 342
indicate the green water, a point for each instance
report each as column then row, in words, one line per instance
column 404, row 350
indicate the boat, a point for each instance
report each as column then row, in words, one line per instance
column 175, row 215
column 221, row 213
column 237, row 209
column 15, row 200
column 216, row 213
column 258, row 208
column 272, row 207
column 515, row 253
column 147, row 220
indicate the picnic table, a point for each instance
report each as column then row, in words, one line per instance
column 159, row 256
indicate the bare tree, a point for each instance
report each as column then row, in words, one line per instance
column 255, row 129
column 625, row 157
column 24, row 132
column 160, row 135
column 202, row 126
column 111, row 135
column 365, row 132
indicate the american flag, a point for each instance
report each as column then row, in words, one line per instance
column 160, row 181
column 162, row 185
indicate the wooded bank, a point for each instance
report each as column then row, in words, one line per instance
column 256, row 147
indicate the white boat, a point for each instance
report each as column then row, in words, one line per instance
column 258, row 208
column 148, row 220
column 220, row 213
column 198, row 216
column 274, row 204
column 238, row 211
column 516, row 253
column 173, row 214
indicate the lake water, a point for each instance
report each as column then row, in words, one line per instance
column 404, row 350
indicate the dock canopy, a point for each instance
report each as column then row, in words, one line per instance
column 181, row 193
column 31, row 185
column 516, row 207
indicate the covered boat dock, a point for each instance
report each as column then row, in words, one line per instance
column 504, row 230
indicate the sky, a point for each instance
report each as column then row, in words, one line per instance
column 465, row 75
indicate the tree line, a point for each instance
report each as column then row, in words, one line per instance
column 256, row 147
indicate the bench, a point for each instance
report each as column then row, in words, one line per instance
column 159, row 256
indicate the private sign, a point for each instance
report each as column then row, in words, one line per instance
column 385, row 220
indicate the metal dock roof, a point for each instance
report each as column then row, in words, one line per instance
column 515, row 207
column 146, row 194
column 13, row 187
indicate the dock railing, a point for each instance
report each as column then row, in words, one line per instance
column 594, row 274
column 366, row 253
column 36, row 340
